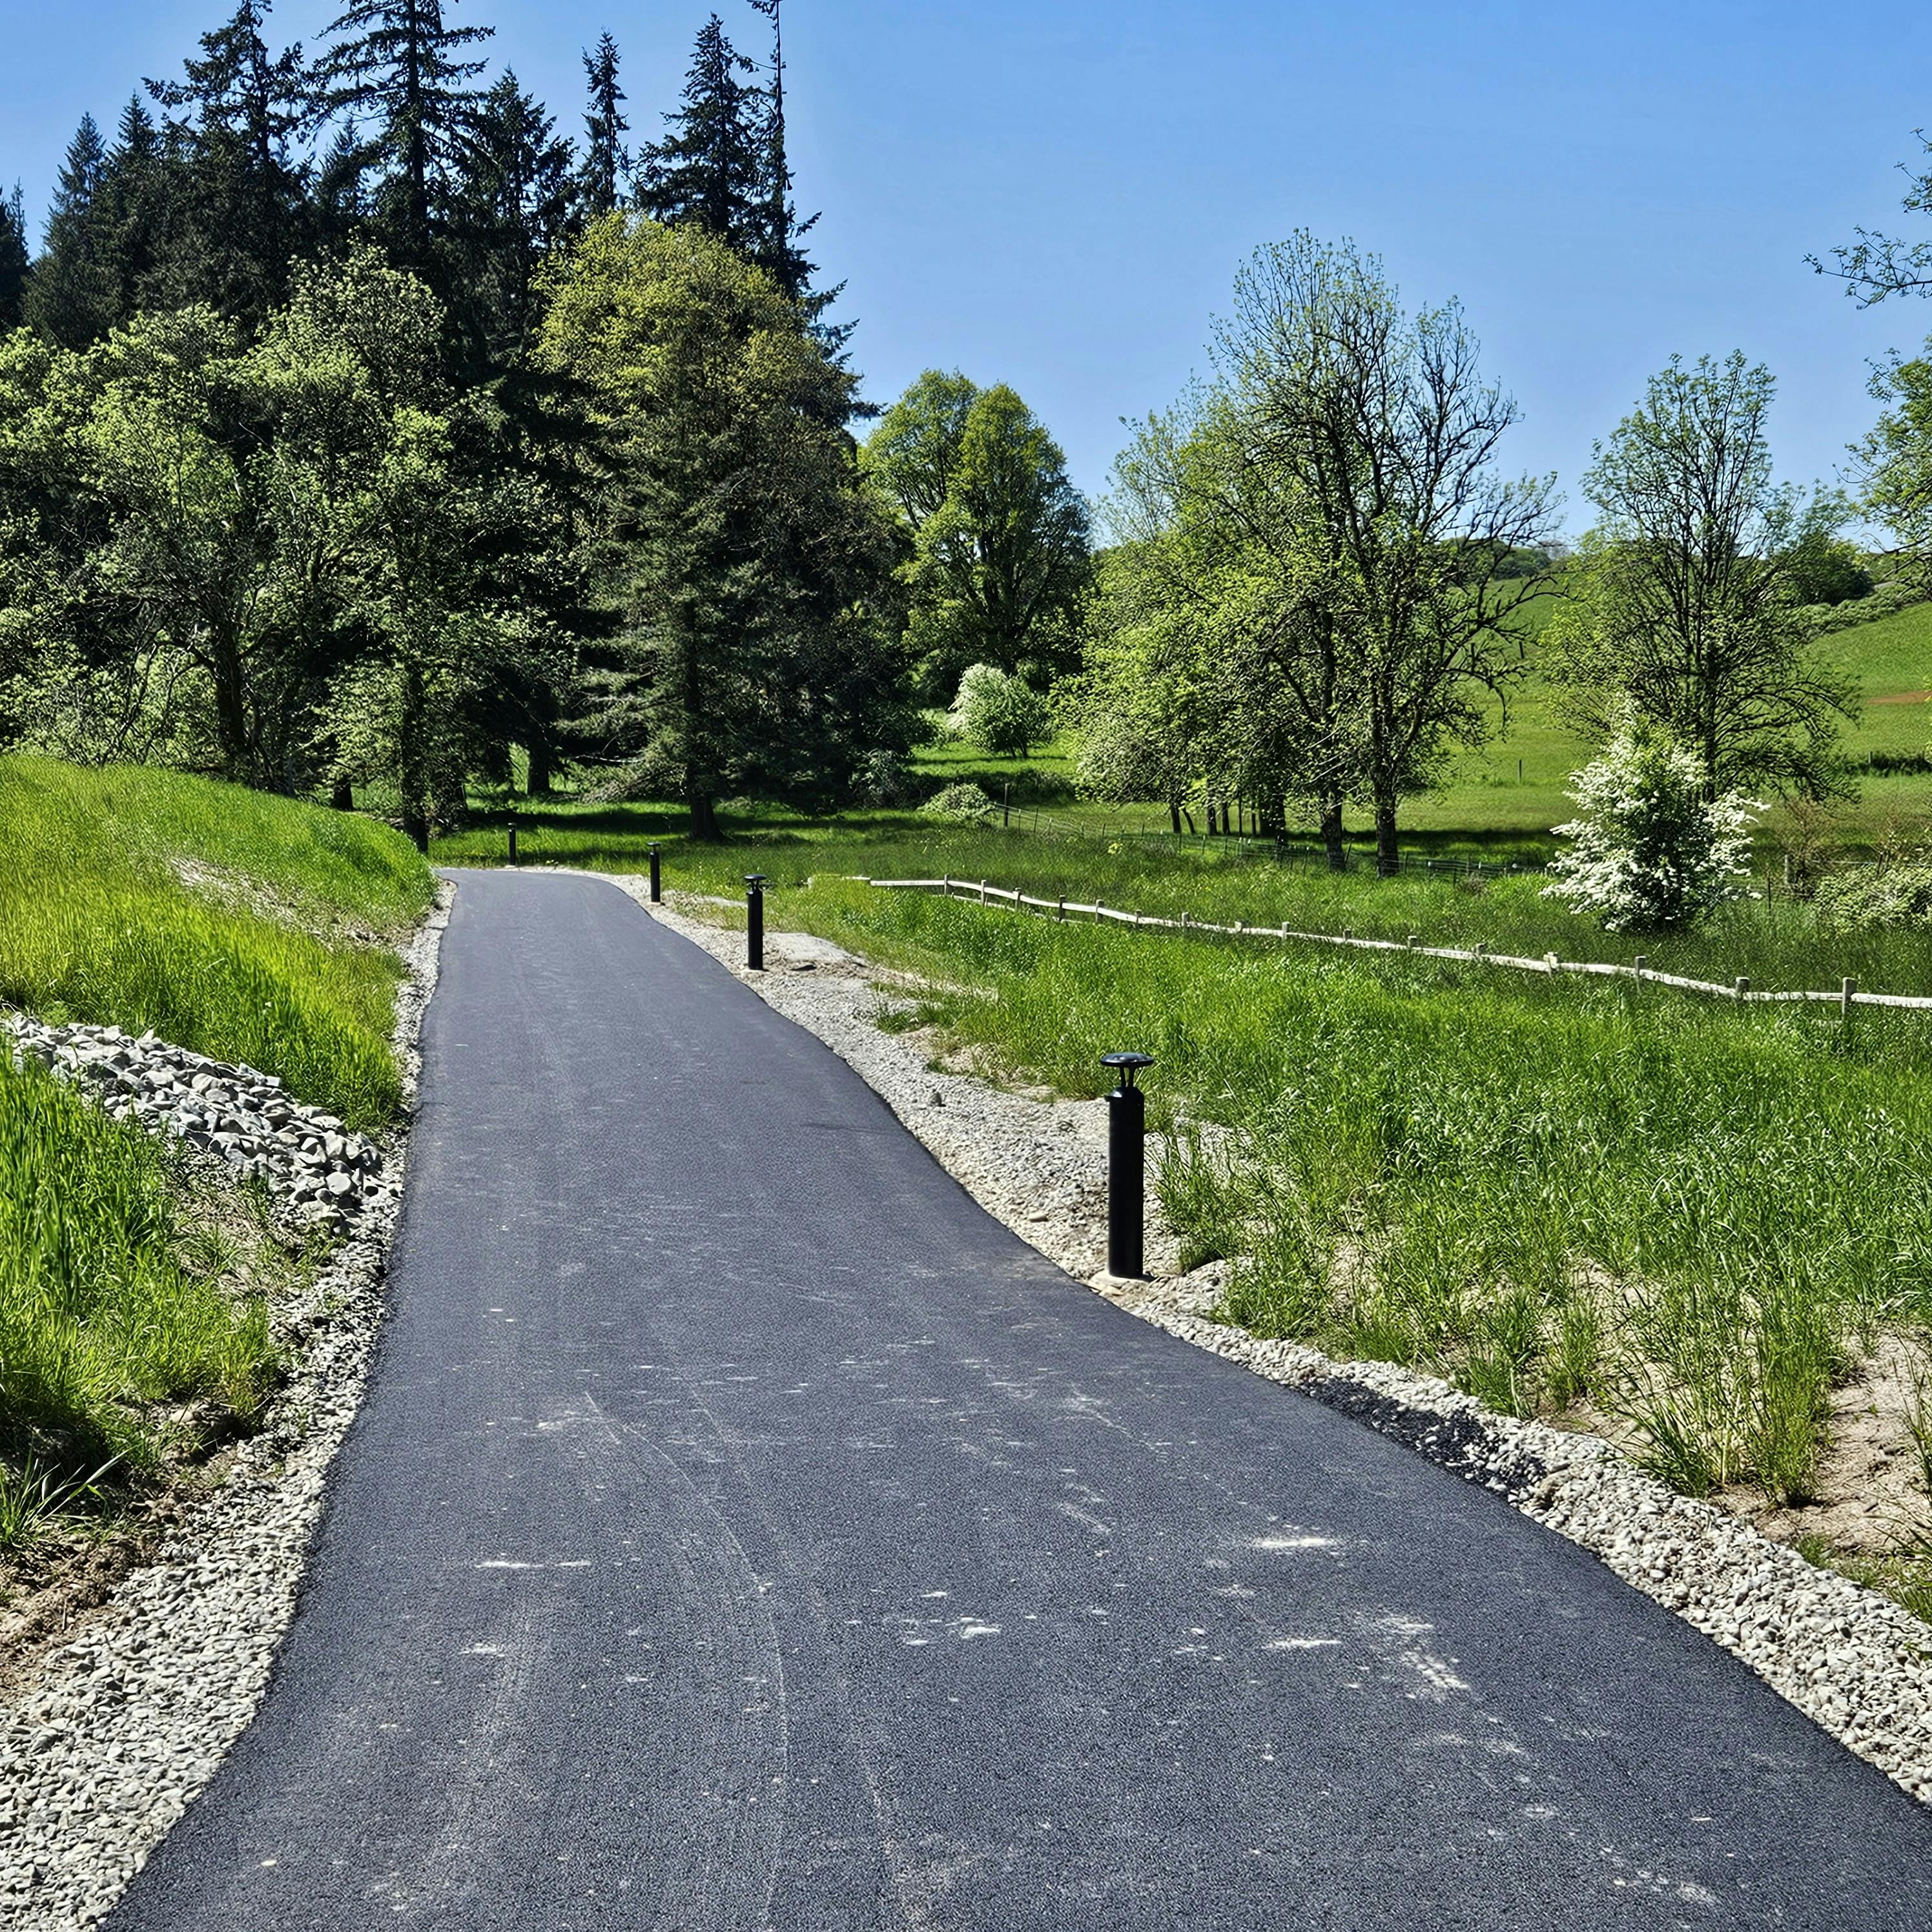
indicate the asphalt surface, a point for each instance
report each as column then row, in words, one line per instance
column 742, row 1529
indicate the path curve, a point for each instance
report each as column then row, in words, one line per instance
column 743, row 1530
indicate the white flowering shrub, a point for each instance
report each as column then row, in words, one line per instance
column 1647, row 851
column 998, row 712
column 966, row 803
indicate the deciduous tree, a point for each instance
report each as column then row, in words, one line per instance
column 1684, row 600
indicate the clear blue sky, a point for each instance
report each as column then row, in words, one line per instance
column 1057, row 193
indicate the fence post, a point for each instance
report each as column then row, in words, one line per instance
column 755, row 922
column 983, row 891
column 1006, row 804
column 1846, row 993
column 1414, row 941
column 1742, row 989
column 1126, row 1168
column 1062, row 912
column 657, row 880
column 1637, row 964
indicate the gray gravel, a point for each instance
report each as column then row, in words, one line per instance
column 108, row 1737
column 1852, row 1660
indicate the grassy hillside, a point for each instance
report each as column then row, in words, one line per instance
column 245, row 928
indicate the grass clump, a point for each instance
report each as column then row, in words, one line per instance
column 241, row 926
column 104, row 1317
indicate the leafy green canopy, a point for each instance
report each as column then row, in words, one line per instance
column 996, row 541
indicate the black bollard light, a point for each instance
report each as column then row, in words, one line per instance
column 513, row 838
column 754, row 921
column 657, row 882
column 1127, row 1164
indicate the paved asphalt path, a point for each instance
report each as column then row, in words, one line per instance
column 743, row 1530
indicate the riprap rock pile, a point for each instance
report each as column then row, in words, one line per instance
column 321, row 1175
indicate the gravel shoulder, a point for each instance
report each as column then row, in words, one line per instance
column 106, row 1736
column 1855, row 1662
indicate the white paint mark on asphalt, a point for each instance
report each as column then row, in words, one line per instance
column 1303, row 1541
column 1302, row 1643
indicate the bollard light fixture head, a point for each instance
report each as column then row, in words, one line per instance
column 1126, row 1065
column 755, row 878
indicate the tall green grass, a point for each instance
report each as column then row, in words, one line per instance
column 245, row 927
column 1777, row 945
column 103, row 1314
column 1557, row 1196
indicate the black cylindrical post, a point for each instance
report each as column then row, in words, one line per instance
column 754, row 921
column 1126, row 1166
column 513, row 838
column 657, row 880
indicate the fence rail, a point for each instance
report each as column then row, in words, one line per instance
column 1846, row 996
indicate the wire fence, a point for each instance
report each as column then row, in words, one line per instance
column 1845, row 997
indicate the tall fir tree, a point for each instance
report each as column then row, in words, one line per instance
column 69, row 300
column 606, row 159
column 777, row 251
column 513, row 205
column 14, row 257
column 709, row 171
column 247, row 107
column 400, row 71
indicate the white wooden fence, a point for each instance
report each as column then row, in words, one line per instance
column 1846, row 996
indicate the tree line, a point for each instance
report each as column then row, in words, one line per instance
column 1324, row 582
column 359, row 429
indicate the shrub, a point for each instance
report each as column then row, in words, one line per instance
column 998, row 712
column 1871, row 898
column 965, row 804
column 1647, row 851
column 884, row 780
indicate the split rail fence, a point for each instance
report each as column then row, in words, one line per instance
column 980, row 892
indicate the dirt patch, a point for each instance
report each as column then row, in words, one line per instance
column 1901, row 697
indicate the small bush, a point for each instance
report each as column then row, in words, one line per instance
column 1875, row 898
column 999, row 712
column 964, row 804
column 1648, row 853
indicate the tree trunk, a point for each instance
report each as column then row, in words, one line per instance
column 1388, row 859
column 1212, row 826
column 342, row 796
column 413, row 760
column 1331, row 834
column 1174, row 815
column 703, row 816
column 537, row 779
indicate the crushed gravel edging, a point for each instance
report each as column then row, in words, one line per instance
column 108, row 1736
column 1858, row 1664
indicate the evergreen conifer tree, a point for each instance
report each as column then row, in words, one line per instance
column 606, row 159
column 514, row 205
column 69, row 300
column 709, row 170
column 14, row 255
column 400, row 71
column 248, row 193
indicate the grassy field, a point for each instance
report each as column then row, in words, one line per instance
column 1501, row 799
column 244, row 927
column 1775, row 944
column 1554, row 1193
